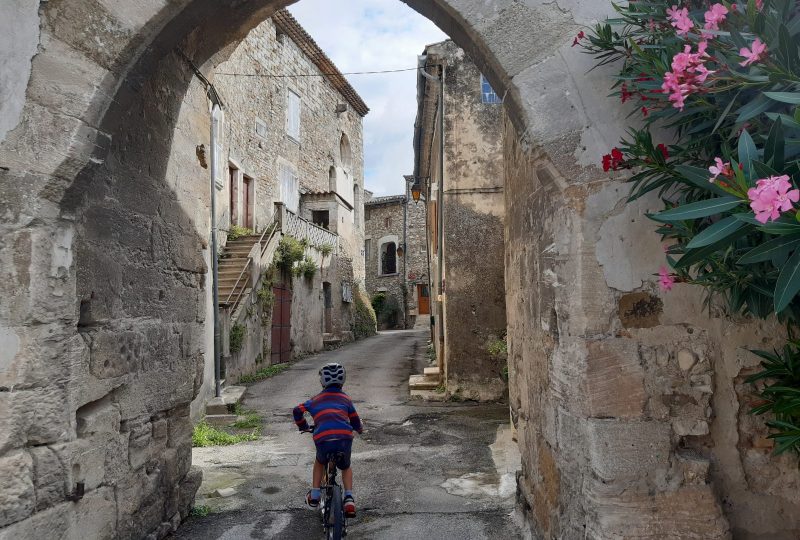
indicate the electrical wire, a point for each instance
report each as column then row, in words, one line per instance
column 320, row 74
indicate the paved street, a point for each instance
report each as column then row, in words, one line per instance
column 422, row 470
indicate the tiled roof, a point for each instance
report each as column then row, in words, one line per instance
column 386, row 200
column 289, row 26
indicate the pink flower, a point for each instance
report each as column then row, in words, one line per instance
column 759, row 5
column 714, row 17
column 665, row 279
column 687, row 75
column 720, row 168
column 771, row 196
column 679, row 18
column 579, row 37
column 753, row 54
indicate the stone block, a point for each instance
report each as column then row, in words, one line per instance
column 50, row 477
column 18, row 495
column 686, row 359
column 115, row 353
column 690, row 513
column 614, row 384
column 631, row 450
column 690, row 426
column 187, row 490
column 101, row 416
column 84, row 461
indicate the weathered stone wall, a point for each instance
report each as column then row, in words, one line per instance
column 103, row 311
column 472, row 211
column 383, row 223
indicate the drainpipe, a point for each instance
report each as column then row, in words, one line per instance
column 215, row 110
column 405, row 257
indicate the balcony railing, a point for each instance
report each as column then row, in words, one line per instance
column 293, row 225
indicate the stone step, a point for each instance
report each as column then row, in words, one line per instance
column 422, row 382
column 434, row 370
column 428, row 395
column 220, row 420
column 231, row 395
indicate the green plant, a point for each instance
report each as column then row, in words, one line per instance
column 364, row 321
column 497, row 348
column 200, row 511
column 264, row 373
column 729, row 179
column 251, row 420
column 205, row 434
column 237, row 232
column 729, row 90
column 307, row 268
column 325, row 249
column 778, row 385
column 387, row 309
column 236, row 337
column 289, row 252
column 440, row 389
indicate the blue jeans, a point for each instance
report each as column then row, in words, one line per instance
column 331, row 448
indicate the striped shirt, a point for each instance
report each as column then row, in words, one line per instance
column 334, row 415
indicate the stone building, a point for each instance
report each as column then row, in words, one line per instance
column 630, row 404
column 396, row 258
column 289, row 152
column 460, row 170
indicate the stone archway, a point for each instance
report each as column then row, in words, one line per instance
column 101, row 324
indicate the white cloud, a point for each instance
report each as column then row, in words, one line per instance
column 371, row 35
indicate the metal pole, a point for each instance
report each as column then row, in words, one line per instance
column 440, row 200
column 405, row 257
column 215, row 253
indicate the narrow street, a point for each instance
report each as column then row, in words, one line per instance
column 422, row 470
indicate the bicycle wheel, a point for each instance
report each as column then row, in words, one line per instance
column 336, row 515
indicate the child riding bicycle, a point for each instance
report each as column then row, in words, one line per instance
column 335, row 419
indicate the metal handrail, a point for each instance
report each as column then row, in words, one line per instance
column 235, row 285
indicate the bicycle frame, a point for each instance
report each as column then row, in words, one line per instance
column 332, row 529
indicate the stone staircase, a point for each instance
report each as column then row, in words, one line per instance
column 425, row 385
column 234, row 269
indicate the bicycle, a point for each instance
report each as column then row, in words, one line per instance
column 334, row 521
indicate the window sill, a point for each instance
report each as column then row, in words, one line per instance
column 389, row 275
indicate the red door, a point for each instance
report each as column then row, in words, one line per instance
column 281, row 324
column 423, row 299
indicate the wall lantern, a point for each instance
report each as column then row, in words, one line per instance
column 400, row 251
column 416, row 191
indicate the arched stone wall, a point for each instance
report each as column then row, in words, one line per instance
column 104, row 278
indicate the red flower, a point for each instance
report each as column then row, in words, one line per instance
column 579, row 37
column 625, row 95
column 645, row 111
column 613, row 161
column 663, row 149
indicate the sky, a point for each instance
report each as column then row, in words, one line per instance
column 375, row 35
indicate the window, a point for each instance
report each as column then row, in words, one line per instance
column 290, row 188
column 345, row 153
column 261, row 128
column 488, row 95
column 320, row 218
column 387, row 222
column 293, row 116
column 388, row 258
column 366, row 248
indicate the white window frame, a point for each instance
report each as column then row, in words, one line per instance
column 381, row 243
column 293, row 114
column 289, row 187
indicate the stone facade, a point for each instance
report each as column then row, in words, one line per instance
column 315, row 172
column 468, row 205
column 397, row 220
column 630, row 405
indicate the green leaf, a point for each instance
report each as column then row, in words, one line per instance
column 716, row 232
column 787, row 121
column 751, row 109
column 747, row 150
column 765, row 251
column 788, row 283
column 773, row 149
column 694, row 256
column 792, row 98
column 699, row 209
column 699, row 177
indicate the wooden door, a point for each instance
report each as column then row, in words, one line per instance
column 423, row 299
column 247, row 202
column 233, row 191
column 281, row 324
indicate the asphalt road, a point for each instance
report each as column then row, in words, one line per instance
column 422, row 470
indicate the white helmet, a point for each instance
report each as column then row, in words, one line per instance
column 332, row 373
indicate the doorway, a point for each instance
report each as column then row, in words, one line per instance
column 423, row 299
column 281, row 324
column 326, row 292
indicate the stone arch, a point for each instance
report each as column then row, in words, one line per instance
column 345, row 153
column 104, row 269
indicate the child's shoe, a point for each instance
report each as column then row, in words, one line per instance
column 349, row 506
column 311, row 501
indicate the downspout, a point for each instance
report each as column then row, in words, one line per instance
column 440, row 213
column 405, row 257
column 215, row 110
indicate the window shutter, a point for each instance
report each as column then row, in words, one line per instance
column 293, row 116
